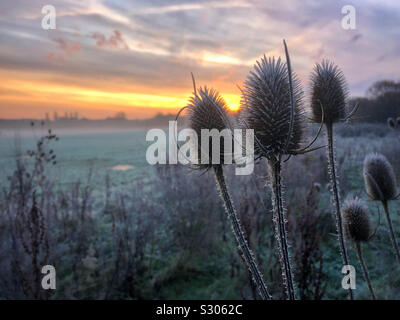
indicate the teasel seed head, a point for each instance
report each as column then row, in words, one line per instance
column 391, row 123
column 328, row 91
column 207, row 110
column 379, row 178
column 356, row 222
column 266, row 108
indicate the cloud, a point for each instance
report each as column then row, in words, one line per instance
column 159, row 10
column 55, row 56
column 356, row 37
column 217, row 40
column 67, row 46
column 115, row 40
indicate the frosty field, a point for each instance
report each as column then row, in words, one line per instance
column 119, row 154
column 122, row 229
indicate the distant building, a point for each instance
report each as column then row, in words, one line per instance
column 118, row 116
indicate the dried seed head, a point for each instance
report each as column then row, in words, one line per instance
column 391, row 123
column 207, row 110
column 329, row 90
column 266, row 108
column 379, row 178
column 355, row 219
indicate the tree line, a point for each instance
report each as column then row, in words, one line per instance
column 381, row 102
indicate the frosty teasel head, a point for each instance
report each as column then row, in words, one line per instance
column 356, row 222
column 328, row 91
column 207, row 110
column 379, row 178
column 266, row 108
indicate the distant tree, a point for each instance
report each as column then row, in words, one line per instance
column 120, row 116
column 383, row 87
column 382, row 102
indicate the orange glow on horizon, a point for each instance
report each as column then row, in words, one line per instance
column 27, row 96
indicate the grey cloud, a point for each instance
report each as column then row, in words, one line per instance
column 245, row 33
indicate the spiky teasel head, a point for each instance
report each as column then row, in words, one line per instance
column 356, row 222
column 207, row 110
column 379, row 178
column 391, row 123
column 328, row 91
column 266, row 108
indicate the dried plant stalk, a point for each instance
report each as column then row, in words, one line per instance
column 247, row 255
column 365, row 270
column 280, row 227
column 273, row 108
column 329, row 95
column 335, row 197
column 391, row 232
column 207, row 110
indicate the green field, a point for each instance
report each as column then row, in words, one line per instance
column 161, row 232
column 79, row 153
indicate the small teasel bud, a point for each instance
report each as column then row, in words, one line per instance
column 356, row 222
column 357, row 228
column 391, row 123
column 379, row 178
column 380, row 183
column 328, row 91
column 266, row 108
column 207, row 110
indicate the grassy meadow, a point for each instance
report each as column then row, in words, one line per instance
column 115, row 227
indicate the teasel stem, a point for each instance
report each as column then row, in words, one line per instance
column 335, row 196
column 280, row 228
column 365, row 270
column 392, row 237
column 239, row 235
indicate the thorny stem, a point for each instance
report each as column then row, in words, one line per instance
column 280, row 228
column 335, row 196
column 365, row 270
column 392, row 237
column 239, row 235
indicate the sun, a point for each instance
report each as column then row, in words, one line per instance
column 232, row 102
column 233, row 107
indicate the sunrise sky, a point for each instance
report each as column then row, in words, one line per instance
column 136, row 56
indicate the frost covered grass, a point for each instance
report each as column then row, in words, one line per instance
column 162, row 233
